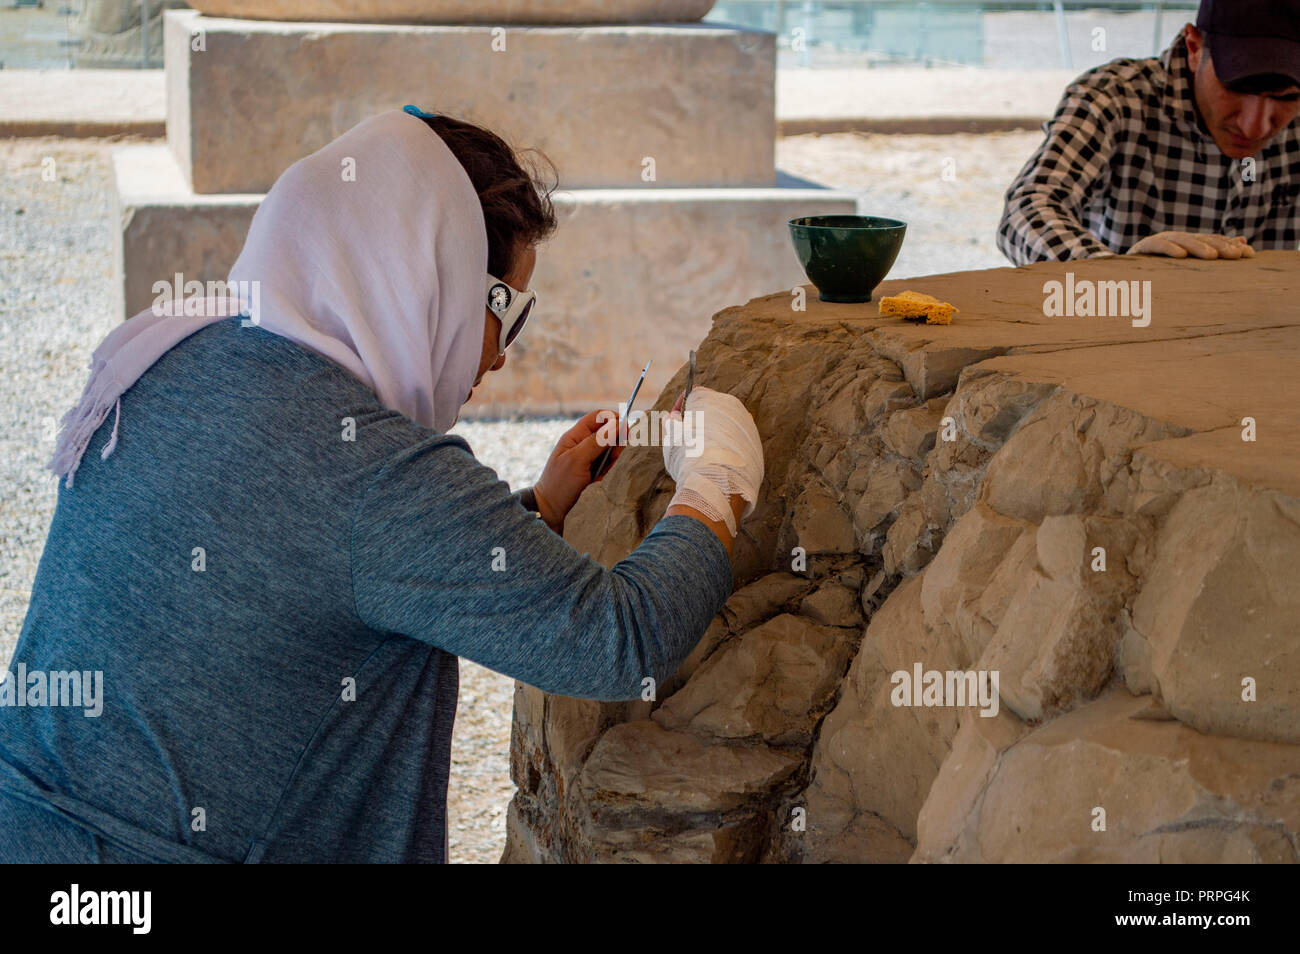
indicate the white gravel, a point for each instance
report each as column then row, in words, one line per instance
column 948, row 189
column 56, row 246
column 480, row 786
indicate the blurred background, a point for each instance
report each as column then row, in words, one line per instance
column 48, row 34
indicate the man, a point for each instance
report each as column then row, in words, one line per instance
column 1195, row 152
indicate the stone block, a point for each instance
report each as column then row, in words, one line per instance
column 1168, row 793
column 773, row 682
column 462, row 11
column 599, row 101
column 639, row 765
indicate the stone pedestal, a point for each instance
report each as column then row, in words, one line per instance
column 663, row 136
column 1107, row 516
column 599, row 101
column 459, row 11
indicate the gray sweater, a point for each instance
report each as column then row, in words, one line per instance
column 277, row 612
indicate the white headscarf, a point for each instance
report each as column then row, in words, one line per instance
column 371, row 252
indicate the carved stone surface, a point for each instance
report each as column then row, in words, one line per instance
column 109, row 33
column 1072, row 503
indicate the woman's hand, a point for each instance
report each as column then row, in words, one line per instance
column 568, row 471
column 712, row 473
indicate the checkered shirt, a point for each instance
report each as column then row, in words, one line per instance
column 1124, row 158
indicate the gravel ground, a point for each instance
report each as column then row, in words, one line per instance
column 948, row 189
column 56, row 269
column 480, row 785
column 56, row 247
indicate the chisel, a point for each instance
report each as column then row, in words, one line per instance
column 602, row 462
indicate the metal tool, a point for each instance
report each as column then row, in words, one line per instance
column 602, row 462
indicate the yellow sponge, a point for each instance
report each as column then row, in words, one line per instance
column 914, row 306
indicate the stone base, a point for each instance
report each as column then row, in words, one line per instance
column 630, row 275
column 458, row 11
column 599, row 101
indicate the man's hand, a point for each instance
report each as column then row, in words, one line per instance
column 1182, row 244
column 568, row 471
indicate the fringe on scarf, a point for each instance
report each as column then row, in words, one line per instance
column 80, row 423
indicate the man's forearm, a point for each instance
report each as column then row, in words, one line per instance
column 1042, row 219
column 1034, row 229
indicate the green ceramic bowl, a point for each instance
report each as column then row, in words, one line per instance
column 846, row 256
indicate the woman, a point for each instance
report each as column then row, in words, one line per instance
column 274, row 554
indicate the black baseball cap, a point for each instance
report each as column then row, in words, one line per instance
column 1251, row 37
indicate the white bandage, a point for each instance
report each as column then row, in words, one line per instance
column 713, row 452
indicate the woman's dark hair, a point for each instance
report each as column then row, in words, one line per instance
column 516, row 201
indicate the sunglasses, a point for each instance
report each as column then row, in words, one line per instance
column 511, row 306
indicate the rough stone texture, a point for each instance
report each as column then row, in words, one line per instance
column 872, row 753
column 597, row 100
column 1169, row 793
column 1066, row 502
column 462, row 11
column 773, row 682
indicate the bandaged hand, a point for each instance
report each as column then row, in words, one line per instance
column 1182, row 244
column 712, row 453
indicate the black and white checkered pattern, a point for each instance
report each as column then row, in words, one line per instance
column 1124, row 159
